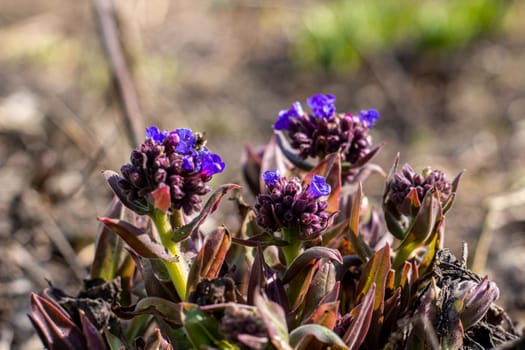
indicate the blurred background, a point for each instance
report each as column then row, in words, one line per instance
column 448, row 78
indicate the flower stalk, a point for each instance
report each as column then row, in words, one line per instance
column 293, row 249
column 178, row 270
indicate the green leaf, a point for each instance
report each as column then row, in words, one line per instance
column 203, row 331
column 323, row 282
column 425, row 223
column 308, row 258
column 211, row 205
column 108, row 248
column 274, row 319
column 314, row 336
column 169, row 311
column 375, row 273
column 360, row 247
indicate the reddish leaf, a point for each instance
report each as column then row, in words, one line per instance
column 137, row 239
column 368, row 157
column 450, row 201
column 272, row 159
column 210, row 257
column 308, row 258
column 54, row 326
column 361, row 318
column 93, row 338
column 211, row 205
column 325, row 315
column 360, row 247
column 330, row 168
column 161, row 198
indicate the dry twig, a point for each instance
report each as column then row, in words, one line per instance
column 109, row 35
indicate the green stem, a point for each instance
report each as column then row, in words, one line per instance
column 293, row 249
column 178, row 270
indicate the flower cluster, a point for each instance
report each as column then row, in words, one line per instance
column 324, row 131
column 177, row 159
column 407, row 181
column 289, row 205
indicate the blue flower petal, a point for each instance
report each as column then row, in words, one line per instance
column 155, row 134
column 212, row 164
column 369, row 117
column 319, row 187
column 285, row 116
column 271, row 177
column 323, row 106
column 187, row 141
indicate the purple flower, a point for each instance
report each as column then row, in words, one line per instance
column 322, row 105
column 187, row 141
column 212, row 164
column 369, row 117
column 285, row 116
column 155, row 134
column 319, row 187
column 170, row 159
column 271, row 177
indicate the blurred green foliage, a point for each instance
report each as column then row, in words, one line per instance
column 334, row 35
